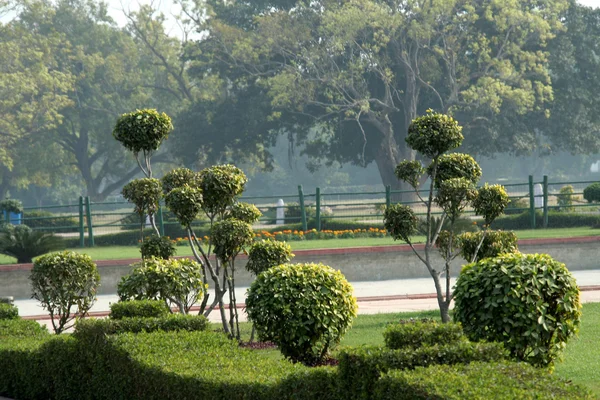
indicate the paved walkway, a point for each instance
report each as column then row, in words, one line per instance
column 373, row 297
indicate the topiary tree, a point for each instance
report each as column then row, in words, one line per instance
column 452, row 189
column 486, row 244
column 592, row 192
column 565, row 198
column 530, row 302
column 159, row 247
column 23, row 243
column 145, row 194
column 303, row 308
column 176, row 282
column 178, row 178
column 143, row 131
column 66, row 284
column 246, row 212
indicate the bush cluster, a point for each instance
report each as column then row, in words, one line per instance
column 100, row 327
column 592, row 192
column 556, row 219
column 158, row 246
column 494, row 243
column 414, row 334
column 139, row 308
column 8, row 311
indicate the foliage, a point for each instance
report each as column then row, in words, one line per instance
column 139, row 308
column 362, row 366
column 400, row 221
column 158, row 246
column 44, row 219
column 21, row 328
column 592, row 192
column 478, row 380
column 142, row 130
column 23, row 243
column 516, row 206
column 565, row 198
column 530, row 302
column 135, row 324
column 185, row 202
column 179, row 282
column 8, row 311
column 145, row 194
column 494, row 244
column 490, row 202
column 65, row 283
column 455, row 165
column 178, row 177
column 245, row 212
column 434, row 134
column 303, row 308
column 264, row 254
column 410, row 172
column 414, row 334
column 221, row 185
column 11, row 206
column 230, row 236
column 454, row 195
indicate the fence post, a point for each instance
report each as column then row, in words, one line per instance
column 531, row 202
column 545, row 191
column 302, row 208
column 318, row 216
column 161, row 224
column 89, row 221
column 81, row 226
column 388, row 196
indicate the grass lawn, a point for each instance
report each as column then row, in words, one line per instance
column 119, row 252
column 581, row 362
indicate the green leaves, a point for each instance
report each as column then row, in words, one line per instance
column 494, row 244
column 455, row 165
column 221, row 185
column 490, row 202
column 145, row 194
column 400, row 221
column 186, row 203
column 410, row 172
column 304, row 308
column 23, row 243
column 434, row 134
column 530, row 302
column 159, row 247
column 265, row 254
column 230, row 236
column 246, row 212
column 454, row 195
column 142, row 130
column 592, row 192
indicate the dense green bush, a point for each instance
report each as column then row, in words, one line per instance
column 494, row 243
column 139, row 308
column 8, row 311
column 65, row 283
column 176, row 322
column 456, row 165
column 158, row 246
column 530, row 302
column 361, row 367
column 417, row 333
column 303, row 308
column 264, row 254
column 22, row 243
column 21, row 328
column 142, row 130
column 400, row 221
column 516, row 206
column 507, row 381
column 49, row 221
column 565, row 198
column 245, row 212
column 592, row 192
column 177, row 282
column 11, row 206
column 556, row 219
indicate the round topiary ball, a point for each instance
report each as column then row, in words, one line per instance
column 592, row 192
column 303, row 308
column 530, row 302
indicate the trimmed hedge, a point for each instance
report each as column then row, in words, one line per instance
column 176, row 322
column 361, row 367
column 21, row 328
column 556, row 219
column 8, row 311
column 477, row 381
column 414, row 334
column 139, row 308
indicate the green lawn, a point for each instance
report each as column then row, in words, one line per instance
column 581, row 362
column 119, row 252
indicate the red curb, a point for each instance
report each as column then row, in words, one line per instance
column 318, row 252
column 423, row 296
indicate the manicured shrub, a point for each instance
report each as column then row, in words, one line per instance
column 158, row 246
column 179, row 177
column 139, row 308
column 456, row 165
column 507, row 381
column 530, row 302
column 494, row 244
column 592, row 192
column 264, row 254
column 8, row 311
column 556, row 219
column 434, row 134
column 304, row 308
column 400, row 221
column 414, row 334
column 21, row 328
column 361, row 367
column 65, row 283
column 245, row 212
column 142, row 130
column 99, row 327
column 177, row 282
column 22, row 243
column 565, row 198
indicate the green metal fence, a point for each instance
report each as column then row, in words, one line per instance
column 86, row 220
